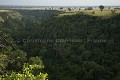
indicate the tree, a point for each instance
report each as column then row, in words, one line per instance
column 3, row 63
column 16, row 59
column 101, row 7
column 90, row 8
column 27, row 74
column 61, row 8
column 35, row 60
column 93, row 12
column 69, row 9
column 113, row 11
column 90, row 70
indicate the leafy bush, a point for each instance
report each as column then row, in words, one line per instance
column 27, row 74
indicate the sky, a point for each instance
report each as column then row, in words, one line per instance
column 61, row 2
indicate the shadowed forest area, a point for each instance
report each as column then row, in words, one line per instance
column 42, row 45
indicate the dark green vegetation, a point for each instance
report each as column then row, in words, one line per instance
column 37, row 14
column 95, row 57
column 101, row 7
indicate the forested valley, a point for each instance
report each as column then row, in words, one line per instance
column 41, row 45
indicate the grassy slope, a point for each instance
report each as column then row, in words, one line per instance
column 104, row 13
column 10, row 14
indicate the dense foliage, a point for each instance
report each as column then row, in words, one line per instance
column 76, row 47
column 30, row 72
column 12, row 58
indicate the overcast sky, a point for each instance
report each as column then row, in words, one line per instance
column 61, row 2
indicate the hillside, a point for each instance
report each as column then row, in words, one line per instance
column 87, row 47
column 70, row 47
column 94, row 12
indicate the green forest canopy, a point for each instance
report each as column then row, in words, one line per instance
column 86, row 60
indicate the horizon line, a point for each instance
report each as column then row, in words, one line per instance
column 58, row 5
